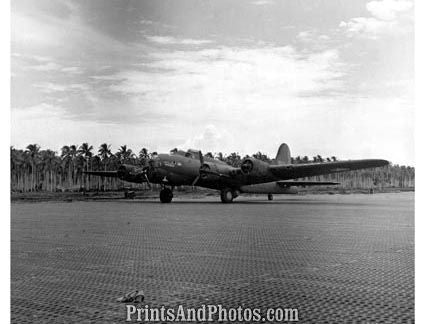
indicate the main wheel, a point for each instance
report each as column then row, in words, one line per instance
column 270, row 197
column 166, row 195
column 226, row 196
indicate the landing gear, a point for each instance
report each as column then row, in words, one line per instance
column 270, row 197
column 166, row 195
column 227, row 195
column 129, row 194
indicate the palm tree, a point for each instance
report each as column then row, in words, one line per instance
column 104, row 154
column 234, row 159
column 67, row 161
column 124, row 154
column 18, row 169
column 49, row 164
column 220, row 156
column 33, row 150
column 73, row 152
column 143, row 156
column 85, row 151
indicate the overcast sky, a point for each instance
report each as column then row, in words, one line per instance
column 327, row 77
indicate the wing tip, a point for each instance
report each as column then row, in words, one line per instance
column 382, row 162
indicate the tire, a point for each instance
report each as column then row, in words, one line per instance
column 270, row 197
column 166, row 195
column 226, row 196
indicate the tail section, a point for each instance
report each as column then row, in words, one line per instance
column 283, row 155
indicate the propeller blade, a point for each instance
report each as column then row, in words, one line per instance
column 201, row 160
column 201, row 157
column 196, row 180
column 145, row 176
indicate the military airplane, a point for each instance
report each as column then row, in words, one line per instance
column 191, row 168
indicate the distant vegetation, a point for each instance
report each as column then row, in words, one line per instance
column 34, row 169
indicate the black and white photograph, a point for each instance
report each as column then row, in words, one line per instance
column 212, row 161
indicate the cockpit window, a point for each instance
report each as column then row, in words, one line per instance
column 192, row 154
column 155, row 162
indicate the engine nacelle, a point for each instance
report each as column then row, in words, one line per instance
column 214, row 170
column 254, row 167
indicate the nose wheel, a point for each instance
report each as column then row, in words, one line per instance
column 166, row 195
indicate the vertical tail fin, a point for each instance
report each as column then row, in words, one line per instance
column 283, row 155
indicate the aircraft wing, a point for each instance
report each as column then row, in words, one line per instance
column 111, row 174
column 290, row 183
column 294, row 171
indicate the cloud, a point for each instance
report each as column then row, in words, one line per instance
column 67, row 37
column 51, row 66
column 49, row 87
column 73, row 70
column 220, row 86
column 369, row 27
column 168, row 40
column 388, row 9
column 262, row 2
column 231, row 72
column 211, row 139
column 390, row 18
column 306, row 35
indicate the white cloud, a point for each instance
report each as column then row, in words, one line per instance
column 50, row 66
column 221, row 86
column 211, row 139
column 262, row 2
column 66, row 37
column 306, row 35
column 369, row 27
column 48, row 87
column 313, row 41
column 37, row 111
column 232, row 73
column 388, row 9
column 146, row 22
column 73, row 70
column 389, row 18
column 168, row 40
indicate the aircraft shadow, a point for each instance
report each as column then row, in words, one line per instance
column 246, row 202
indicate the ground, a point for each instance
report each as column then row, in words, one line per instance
column 336, row 258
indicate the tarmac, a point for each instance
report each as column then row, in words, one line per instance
column 335, row 258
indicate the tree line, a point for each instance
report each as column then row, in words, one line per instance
column 34, row 169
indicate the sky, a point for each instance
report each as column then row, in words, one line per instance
column 327, row 77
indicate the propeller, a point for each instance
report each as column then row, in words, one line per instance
column 247, row 166
column 205, row 169
column 125, row 172
column 201, row 159
column 145, row 176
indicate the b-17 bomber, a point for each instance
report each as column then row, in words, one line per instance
column 191, row 168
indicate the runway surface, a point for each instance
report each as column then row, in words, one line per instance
column 336, row 258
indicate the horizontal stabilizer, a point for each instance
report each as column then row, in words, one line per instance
column 306, row 183
column 112, row 174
